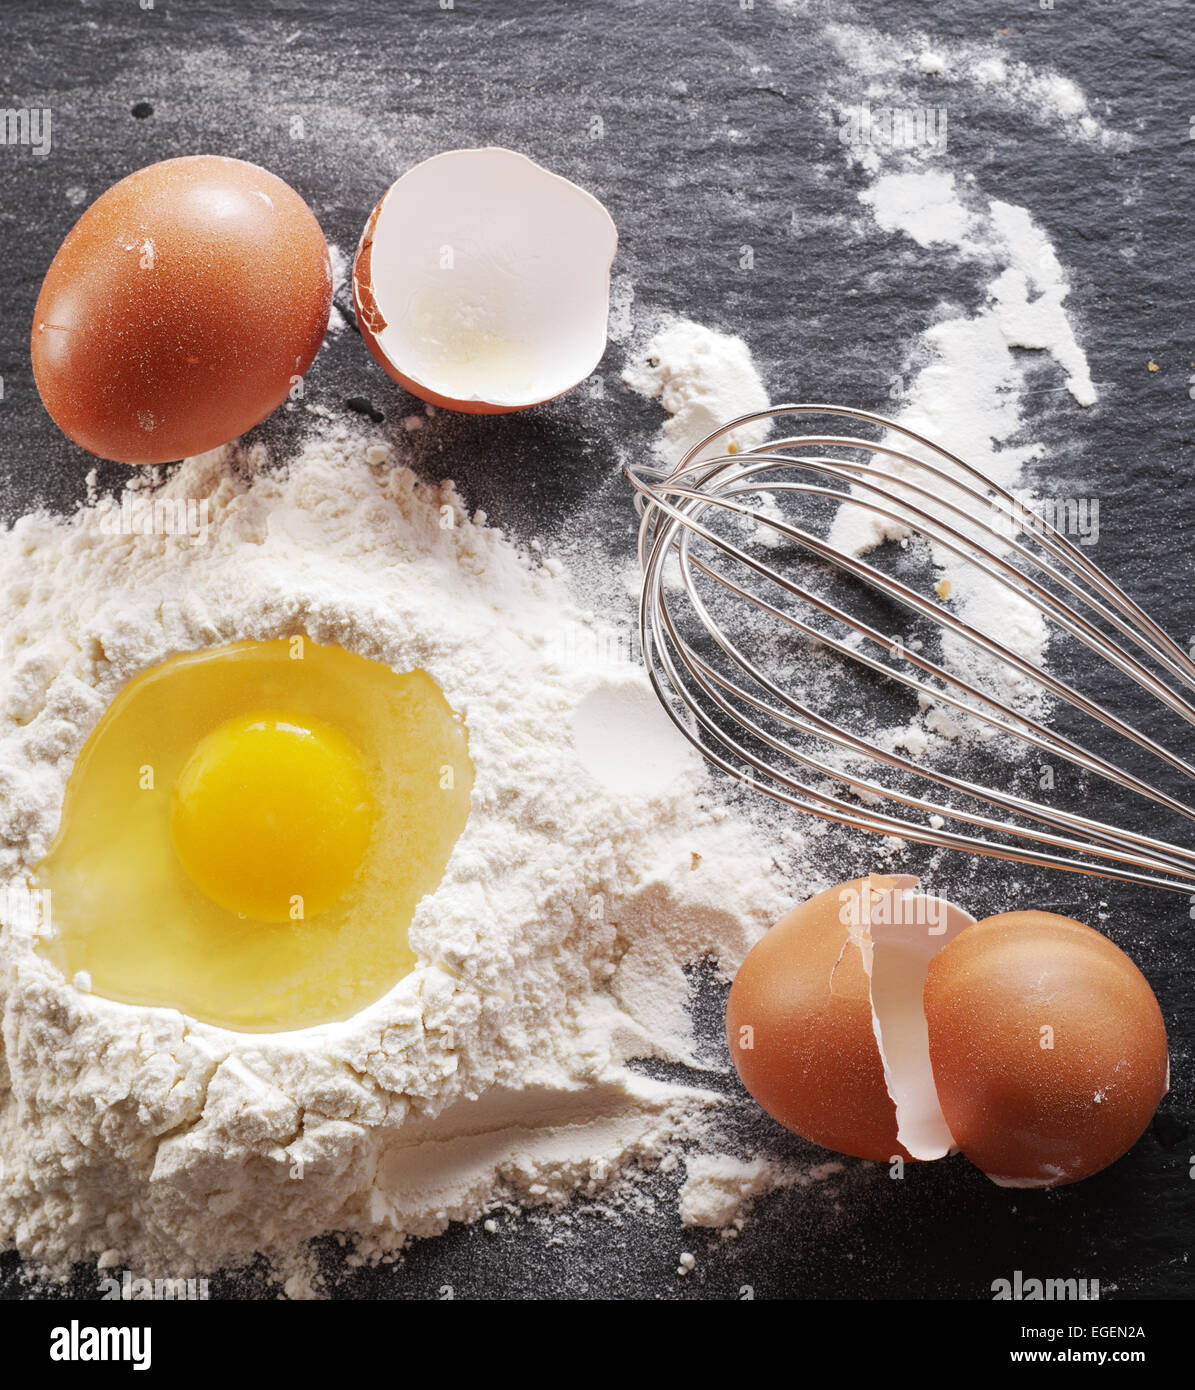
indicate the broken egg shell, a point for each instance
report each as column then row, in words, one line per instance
column 530, row 267
column 1027, row 1113
column 811, row 1006
column 907, row 931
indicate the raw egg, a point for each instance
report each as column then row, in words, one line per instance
column 1048, row 1048
column 482, row 281
column 247, row 832
column 181, row 310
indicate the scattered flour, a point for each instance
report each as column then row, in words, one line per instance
column 622, row 299
column 626, row 741
column 337, row 322
column 1027, row 296
column 719, row 1189
column 969, row 395
column 963, row 75
column 552, row 953
column 922, row 205
column 703, row 379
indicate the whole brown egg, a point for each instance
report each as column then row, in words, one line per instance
column 1048, row 1047
column 180, row 310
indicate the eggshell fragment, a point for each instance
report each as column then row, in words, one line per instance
column 482, row 281
column 1048, row 1048
column 907, row 931
column 822, row 1019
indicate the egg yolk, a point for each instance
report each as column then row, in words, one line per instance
column 248, row 831
column 271, row 816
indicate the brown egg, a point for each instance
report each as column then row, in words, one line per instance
column 1047, row 1045
column 799, row 1026
column 180, row 310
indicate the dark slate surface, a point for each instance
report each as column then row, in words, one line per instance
column 714, row 130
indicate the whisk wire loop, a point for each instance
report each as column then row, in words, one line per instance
column 754, row 726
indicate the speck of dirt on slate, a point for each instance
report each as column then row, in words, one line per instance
column 364, row 406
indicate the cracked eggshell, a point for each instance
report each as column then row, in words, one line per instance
column 825, row 1022
column 482, row 281
column 1048, row 1048
column 907, row 931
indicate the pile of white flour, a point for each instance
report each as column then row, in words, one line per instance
column 552, row 953
column 703, row 379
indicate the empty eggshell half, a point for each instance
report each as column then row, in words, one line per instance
column 826, row 1025
column 482, row 281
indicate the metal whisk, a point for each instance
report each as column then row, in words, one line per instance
column 723, row 539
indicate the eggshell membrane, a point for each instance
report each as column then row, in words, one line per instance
column 180, row 309
column 907, row 931
column 1031, row 1116
column 803, row 993
column 530, row 263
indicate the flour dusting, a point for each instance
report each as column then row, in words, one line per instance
column 970, row 396
column 720, row 1189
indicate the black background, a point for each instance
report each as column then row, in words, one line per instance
column 703, row 126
